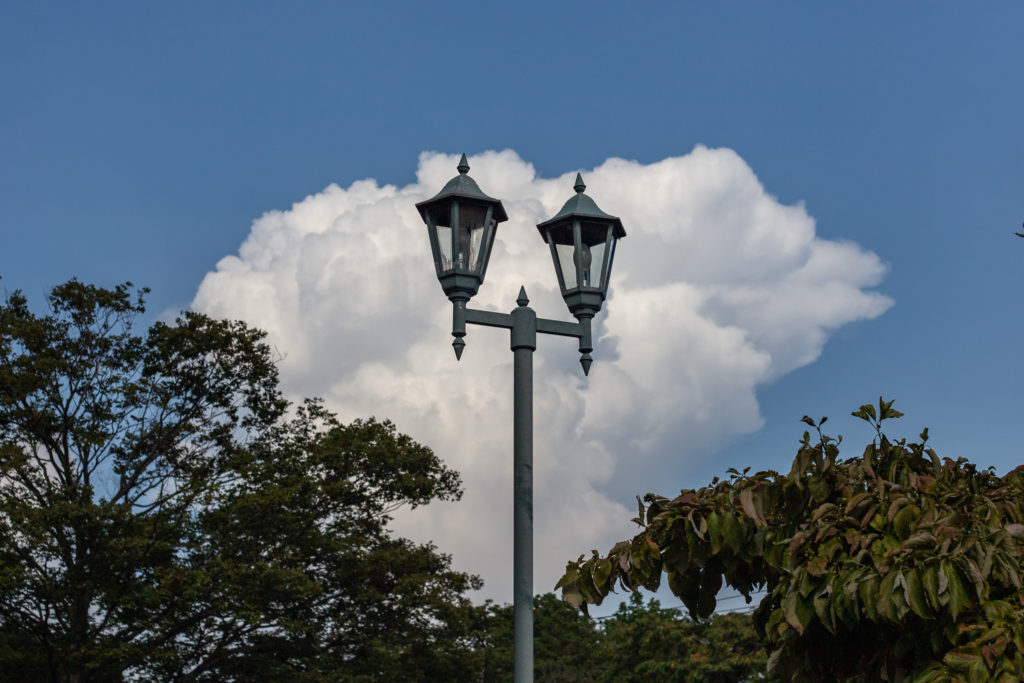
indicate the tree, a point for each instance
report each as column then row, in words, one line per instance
column 565, row 643
column 163, row 517
column 646, row 642
column 894, row 565
column 638, row 642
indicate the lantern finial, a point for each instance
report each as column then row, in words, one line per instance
column 463, row 166
column 579, row 186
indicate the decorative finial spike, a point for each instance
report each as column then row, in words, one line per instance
column 463, row 166
column 579, row 186
column 585, row 361
column 522, row 300
column 458, row 345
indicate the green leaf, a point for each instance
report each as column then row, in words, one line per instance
column 602, row 571
column 823, row 608
column 819, row 487
column 973, row 574
column 571, row 575
column 799, row 611
column 930, row 582
column 866, row 412
column 677, row 555
column 710, row 583
column 958, row 600
column 959, row 661
column 866, row 460
column 978, row 672
column 887, row 598
column 714, row 522
column 905, row 521
column 886, row 411
column 732, row 532
column 915, row 593
column 922, row 539
column 843, row 603
column 687, row 587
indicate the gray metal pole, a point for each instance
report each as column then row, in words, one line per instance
column 523, row 524
column 524, row 325
column 524, row 342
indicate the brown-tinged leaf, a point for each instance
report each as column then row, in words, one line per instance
column 817, row 566
column 700, row 526
column 747, row 502
column 821, row 511
column 685, row 498
column 572, row 595
column 1015, row 530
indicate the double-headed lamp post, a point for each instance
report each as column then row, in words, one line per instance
column 461, row 222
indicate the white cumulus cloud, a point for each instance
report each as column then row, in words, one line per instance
column 717, row 288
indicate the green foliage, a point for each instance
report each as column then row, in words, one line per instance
column 891, row 565
column 639, row 642
column 648, row 643
column 565, row 643
column 163, row 518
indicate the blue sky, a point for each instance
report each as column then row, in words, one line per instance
column 140, row 141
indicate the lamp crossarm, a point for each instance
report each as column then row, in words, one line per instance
column 524, row 325
column 563, row 329
column 488, row 318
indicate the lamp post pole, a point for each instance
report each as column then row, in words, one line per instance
column 524, row 343
column 524, row 325
column 461, row 222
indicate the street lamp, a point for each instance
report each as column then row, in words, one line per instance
column 461, row 224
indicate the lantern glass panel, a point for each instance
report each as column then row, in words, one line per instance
column 567, row 262
column 611, row 257
column 471, row 232
column 444, row 240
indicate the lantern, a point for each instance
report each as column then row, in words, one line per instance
column 461, row 223
column 582, row 239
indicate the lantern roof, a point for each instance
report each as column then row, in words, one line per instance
column 582, row 206
column 464, row 187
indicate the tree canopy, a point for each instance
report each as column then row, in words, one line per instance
column 892, row 565
column 646, row 642
column 165, row 516
column 639, row 642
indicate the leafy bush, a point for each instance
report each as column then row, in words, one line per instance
column 894, row 564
